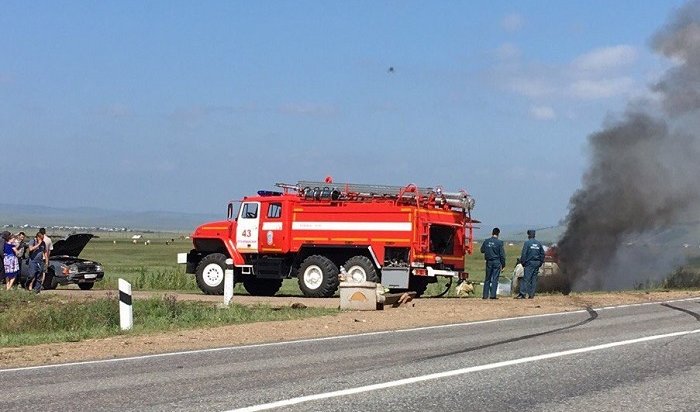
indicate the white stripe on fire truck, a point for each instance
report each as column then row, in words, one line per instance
column 354, row 226
column 272, row 226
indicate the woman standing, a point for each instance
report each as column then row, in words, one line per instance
column 10, row 261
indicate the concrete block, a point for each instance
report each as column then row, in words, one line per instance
column 360, row 296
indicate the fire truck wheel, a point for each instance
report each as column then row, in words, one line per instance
column 261, row 287
column 210, row 274
column 318, row 277
column 418, row 284
column 360, row 269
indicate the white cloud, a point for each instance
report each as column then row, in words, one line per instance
column 605, row 58
column 507, row 51
column 601, row 88
column 542, row 112
column 531, row 86
column 598, row 74
column 512, row 22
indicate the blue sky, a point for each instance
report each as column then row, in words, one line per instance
column 182, row 106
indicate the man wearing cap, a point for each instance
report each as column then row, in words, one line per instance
column 532, row 257
column 495, row 256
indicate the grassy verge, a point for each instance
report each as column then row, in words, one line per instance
column 27, row 319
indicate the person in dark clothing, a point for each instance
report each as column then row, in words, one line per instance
column 532, row 257
column 495, row 256
column 37, row 257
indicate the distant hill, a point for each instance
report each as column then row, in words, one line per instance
column 95, row 217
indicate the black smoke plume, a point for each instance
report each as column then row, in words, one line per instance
column 644, row 176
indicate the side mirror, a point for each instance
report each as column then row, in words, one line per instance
column 229, row 211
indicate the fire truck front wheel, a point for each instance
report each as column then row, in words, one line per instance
column 360, row 269
column 318, row 277
column 261, row 287
column 210, row 274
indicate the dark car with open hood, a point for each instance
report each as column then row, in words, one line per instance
column 65, row 267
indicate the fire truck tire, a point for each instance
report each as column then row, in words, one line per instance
column 261, row 287
column 418, row 284
column 210, row 274
column 318, row 277
column 360, row 269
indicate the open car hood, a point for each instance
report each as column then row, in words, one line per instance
column 72, row 245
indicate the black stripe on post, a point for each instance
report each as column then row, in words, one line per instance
column 125, row 298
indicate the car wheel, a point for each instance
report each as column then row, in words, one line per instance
column 566, row 288
column 318, row 277
column 261, row 287
column 50, row 281
column 360, row 269
column 210, row 274
column 86, row 286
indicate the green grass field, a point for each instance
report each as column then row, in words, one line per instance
column 28, row 319
column 152, row 266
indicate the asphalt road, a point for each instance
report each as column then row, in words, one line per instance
column 643, row 358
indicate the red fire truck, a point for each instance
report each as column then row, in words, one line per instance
column 402, row 236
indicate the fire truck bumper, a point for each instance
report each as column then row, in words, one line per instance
column 448, row 273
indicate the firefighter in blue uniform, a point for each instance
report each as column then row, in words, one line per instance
column 495, row 257
column 532, row 257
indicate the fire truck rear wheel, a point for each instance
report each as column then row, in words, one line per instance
column 418, row 284
column 360, row 269
column 318, row 277
column 261, row 287
column 210, row 274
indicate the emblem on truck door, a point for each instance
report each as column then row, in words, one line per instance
column 269, row 237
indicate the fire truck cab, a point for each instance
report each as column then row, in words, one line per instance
column 318, row 232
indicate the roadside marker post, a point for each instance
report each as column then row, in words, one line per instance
column 126, row 313
column 228, row 282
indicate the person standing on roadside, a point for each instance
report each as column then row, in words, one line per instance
column 21, row 246
column 532, row 257
column 37, row 257
column 495, row 256
column 2, row 255
column 10, row 261
column 49, row 247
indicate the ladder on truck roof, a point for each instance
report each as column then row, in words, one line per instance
column 335, row 191
column 362, row 189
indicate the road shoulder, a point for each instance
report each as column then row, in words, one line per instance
column 421, row 312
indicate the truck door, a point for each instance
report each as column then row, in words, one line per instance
column 247, row 230
column 272, row 234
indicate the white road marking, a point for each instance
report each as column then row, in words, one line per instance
column 455, row 372
column 337, row 337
